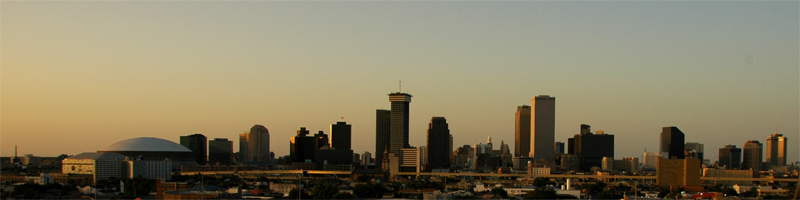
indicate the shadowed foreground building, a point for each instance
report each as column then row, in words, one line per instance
column 382, row 119
column 438, row 153
column 522, row 131
column 196, row 143
column 730, row 157
column 220, row 151
column 751, row 155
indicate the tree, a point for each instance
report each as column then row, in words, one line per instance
column 607, row 194
column 293, row 194
column 364, row 178
column 343, row 195
column 540, row 193
column 323, row 190
column 730, row 192
column 499, row 191
column 541, row 182
column 752, row 192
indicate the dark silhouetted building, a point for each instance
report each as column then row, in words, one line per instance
column 591, row 148
column 751, row 155
column 322, row 140
column 438, row 153
column 382, row 127
column 672, row 143
column 694, row 150
column 303, row 148
column 543, row 127
column 220, row 150
column 730, row 157
column 522, row 131
column 340, row 135
column 398, row 134
column 196, row 143
column 776, row 150
column 559, row 148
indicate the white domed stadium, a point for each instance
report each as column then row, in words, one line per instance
column 150, row 148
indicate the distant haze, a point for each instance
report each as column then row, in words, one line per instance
column 80, row 75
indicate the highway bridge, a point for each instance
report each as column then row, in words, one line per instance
column 293, row 174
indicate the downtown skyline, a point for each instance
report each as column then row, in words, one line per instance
column 94, row 73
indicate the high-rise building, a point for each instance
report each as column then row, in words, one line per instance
column 322, row 140
column 340, row 135
column 196, row 143
column 543, row 127
column 592, row 148
column 382, row 127
column 438, row 154
column 243, row 149
column 650, row 160
column 398, row 132
column 776, row 150
column 672, row 143
column 559, row 148
column 303, row 148
column 258, row 144
column 522, row 131
column 694, row 150
column 220, row 151
column 751, row 155
column 730, row 157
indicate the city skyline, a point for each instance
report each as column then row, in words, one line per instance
column 94, row 73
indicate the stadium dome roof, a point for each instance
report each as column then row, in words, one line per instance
column 146, row 144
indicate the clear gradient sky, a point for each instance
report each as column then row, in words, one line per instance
column 79, row 76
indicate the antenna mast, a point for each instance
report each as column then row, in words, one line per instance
column 401, row 85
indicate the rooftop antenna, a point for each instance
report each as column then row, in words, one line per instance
column 401, row 85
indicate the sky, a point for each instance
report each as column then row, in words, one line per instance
column 77, row 76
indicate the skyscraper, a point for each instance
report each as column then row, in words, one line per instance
column 254, row 145
column 672, row 143
column 776, row 150
column 592, row 148
column 543, row 127
column 730, row 157
column 694, row 150
column 398, row 135
column 382, row 127
column 522, row 131
column 220, row 151
column 302, row 147
column 196, row 143
column 438, row 154
column 340, row 135
column 751, row 155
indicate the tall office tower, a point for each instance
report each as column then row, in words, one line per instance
column 776, row 150
column 730, row 157
column 303, row 147
column 672, row 145
column 751, row 155
column 243, row 149
column 522, row 131
column 220, row 151
column 559, row 148
column 382, row 127
column 438, row 153
column 258, row 144
column 591, row 148
column 543, row 127
column 398, row 133
column 694, row 150
column 322, row 140
column 340, row 135
column 651, row 160
column 366, row 160
column 196, row 143
column 450, row 147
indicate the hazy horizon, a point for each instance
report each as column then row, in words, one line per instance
column 79, row 76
